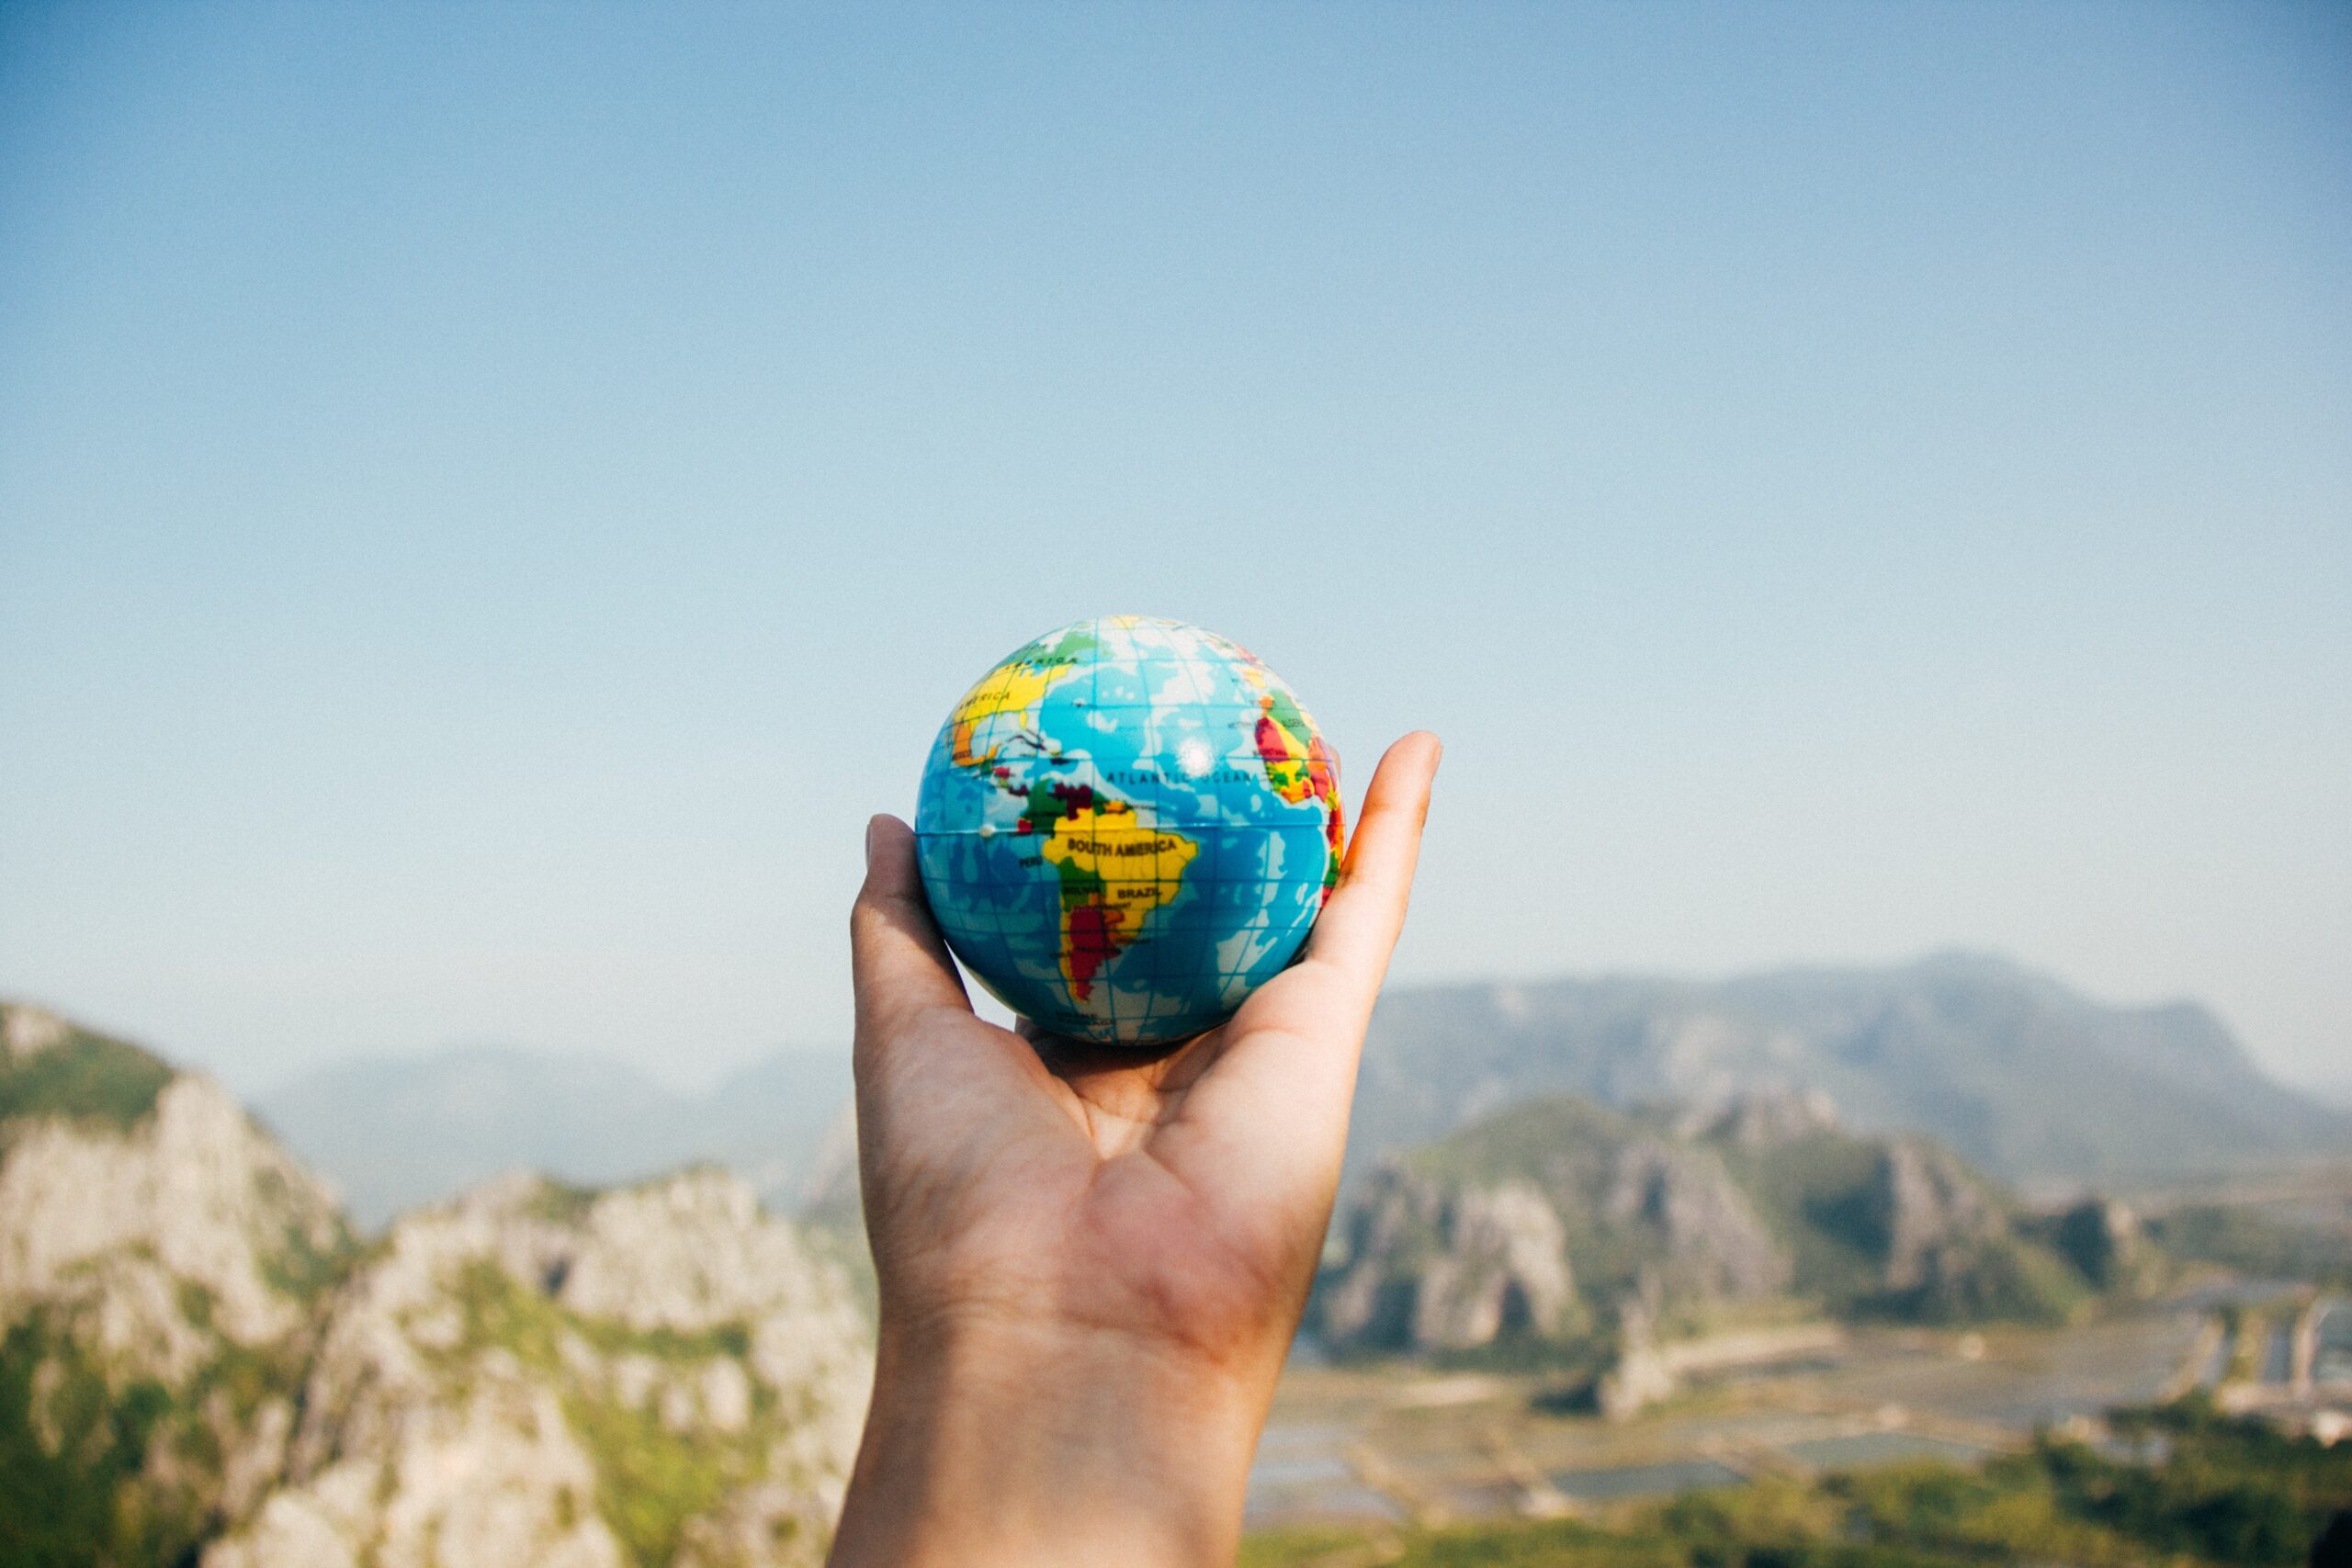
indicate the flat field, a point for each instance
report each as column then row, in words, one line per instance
column 1401, row 1445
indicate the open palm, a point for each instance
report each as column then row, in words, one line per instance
column 1175, row 1199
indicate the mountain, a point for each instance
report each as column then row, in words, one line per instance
column 395, row 1131
column 162, row 1264
column 2020, row 1074
column 201, row 1366
column 534, row 1375
column 1563, row 1222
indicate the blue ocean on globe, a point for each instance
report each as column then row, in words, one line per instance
column 1127, row 827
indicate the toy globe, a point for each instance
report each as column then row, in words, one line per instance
column 1127, row 827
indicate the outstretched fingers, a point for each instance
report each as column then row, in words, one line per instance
column 899, row 964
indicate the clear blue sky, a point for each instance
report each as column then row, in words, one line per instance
column 492, row 496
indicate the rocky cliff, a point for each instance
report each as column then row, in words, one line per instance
column 161, row 1265
column 1603, row 1233
column 199, row 1361
column 536, row 1376
column 1535, row 1223
column 1452, row 1266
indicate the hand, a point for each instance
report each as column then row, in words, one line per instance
column 1091, row 1260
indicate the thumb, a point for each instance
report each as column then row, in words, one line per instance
column 897, row 962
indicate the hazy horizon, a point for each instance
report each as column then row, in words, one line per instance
column 490, row 500
column 2332, row 1086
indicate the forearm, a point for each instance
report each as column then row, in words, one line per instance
column 1041, row 1446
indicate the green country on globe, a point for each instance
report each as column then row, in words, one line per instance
column 1127, row 827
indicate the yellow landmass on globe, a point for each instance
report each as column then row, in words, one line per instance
column 1015, row 687
column 1115, row 872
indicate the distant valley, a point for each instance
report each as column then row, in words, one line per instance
column 2019, row 1074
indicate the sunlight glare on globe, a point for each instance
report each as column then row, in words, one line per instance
column 1127, row 827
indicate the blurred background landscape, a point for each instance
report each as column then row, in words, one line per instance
column 491, row 498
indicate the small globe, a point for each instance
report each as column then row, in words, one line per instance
column 1126, row 828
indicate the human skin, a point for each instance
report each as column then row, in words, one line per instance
column 1091, row 1260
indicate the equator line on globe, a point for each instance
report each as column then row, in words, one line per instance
column 1127, row 827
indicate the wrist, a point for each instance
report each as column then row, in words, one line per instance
column 1043, row 1442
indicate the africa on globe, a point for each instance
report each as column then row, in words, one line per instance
column 1127, row 827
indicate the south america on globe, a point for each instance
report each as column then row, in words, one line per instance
column 1127, row 827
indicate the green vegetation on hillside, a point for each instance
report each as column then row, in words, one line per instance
column 2229, row 1491
column 1821, row 1191
column 564, row 1202
column 1527, row 1138
column 94, row 1470
column 1816, row 1191
column 68, row 1446
column 2254, row 1243
column 1754, row 1219
column 305, row 1270
column 651, row 1478
column 1564, row 1145
column 85, row 1077
column 2007, row 1278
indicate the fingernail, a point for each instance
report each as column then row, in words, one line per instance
column 869, row 844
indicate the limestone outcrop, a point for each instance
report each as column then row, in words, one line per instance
column 2102, row 1237
column 1712, row 1242
column 1929, row 1211
column 1637, row 1375
column 536, row 1376
column 200, row 1363
column 1532, row 1227
column 1611, row 1236
column 1486, row 1261
column 161, row 1263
